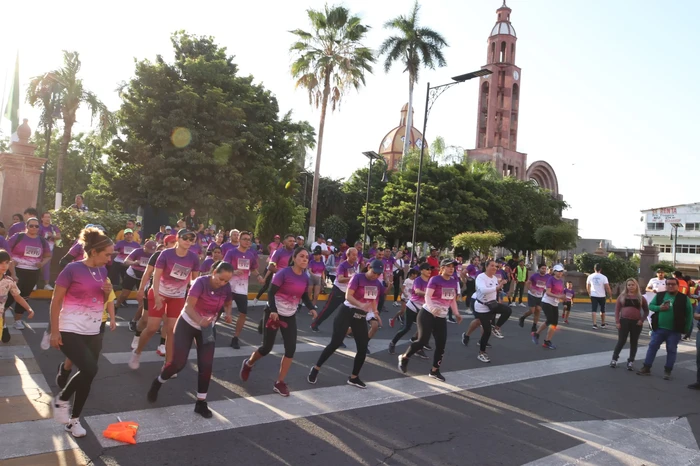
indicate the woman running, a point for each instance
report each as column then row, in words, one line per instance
column 317, row 274
column 216, row 256
column 288, row 287
column 414, row 303
column 136, row 263
column 440, row 295
column 76, row 315
column 208, row 294
column 407, row 289
column 631, row 310
column 361, row 300
column 553, row 294
column 52, row 234
column 568, row 301
column 486, row 306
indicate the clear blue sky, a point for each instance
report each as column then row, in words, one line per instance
column 608, row 87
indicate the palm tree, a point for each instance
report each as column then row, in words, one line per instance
column 415, row 47
column 60, row 93
column 328, row 62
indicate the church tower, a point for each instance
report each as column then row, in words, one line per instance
column 499, row 98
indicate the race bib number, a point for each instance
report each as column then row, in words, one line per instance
column 541, row 284
column 351, row 272
column 371, row 292
column 32, row 251
column 180, row 272
column 128, row 250
column 387, row 267
column 243, row 264
column 143, row 262
column 449, row 294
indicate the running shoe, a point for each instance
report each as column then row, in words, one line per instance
column 48, row 287
column 135, row 342
column 613, row 364
column 313, row 375
column 75, row 428
column 61, row 410
column 667, row 374
column 397, row 304
column 483, row 357
column 534, row 327
column 62, row 376
column 469, row 312
column 428, row 348
column 152, row 395
column 19, row 325
column 694, row 386
column 245, row 371
column 465, row 339
column 201, row 408
column 281, row 388
column 521, row 321
column 685, row 339
column 392, row 347
column 630, row 365
column 161, row 350
column 535, row 338
column 645, row 370
column 403, row 364
column 46, row 341
column 497, row 333
column 450, row 320
column 132, row 325
column 255, row 302
column 436, row 375
column 368, row 352
column 356, row 382
column 413, row 340
column 602, row 325
column 421, row 354
column 391, row 322
column 522, row 305
column 512, row 304
column 595, row 327
column 234, row 343
column 488, row 345
column 314, row 329
column 548, row 344
column 566, row 321
column 134, row 361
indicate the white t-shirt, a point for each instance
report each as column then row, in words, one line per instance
column 407, row 288
column 656, row 284
column 485, row 291
column 597, row 282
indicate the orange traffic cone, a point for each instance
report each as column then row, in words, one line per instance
column 122, row 432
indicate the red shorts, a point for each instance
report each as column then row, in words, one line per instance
column 172, row 307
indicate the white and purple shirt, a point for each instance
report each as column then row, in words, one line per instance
column 317, row 268
column 557, row 287
column 209, row 300
column 472, row 270
column 141, row 257
column 123, row 248
column 245, row 262
column 48, row 233
column 538, row 283
column 346, row 270
column 226, row 247
column 569, row 295
column 176, row 272
column 418, row 284
column 15, row 228
column 27, row 253
column 291, row 289
column 364, row 290
column 444, row 293
column 84, row 301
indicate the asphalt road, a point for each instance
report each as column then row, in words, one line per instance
column 485, row 414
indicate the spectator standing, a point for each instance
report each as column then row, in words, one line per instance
column 598, row 289
column 79, row 205
column 274, row 245
column 130, row 225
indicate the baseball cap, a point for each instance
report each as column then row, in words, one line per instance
column 329, row 240
column 277, row 236
column 99, row 227
column 170, row 239
column 377, row 266
column 320, row 235
column 168, row 228
column 300, row 237
column 128, row 230
column 446, row 262
column 558, row 268
column 343, row 240
column 425, row 266
column 659, row 270
column 317, row 250
column 183, row 232
column 150, row 244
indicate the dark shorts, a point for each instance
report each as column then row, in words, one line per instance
column 551, row 313
column 102, row 327
column 130, row 283
column 567, row 306
column 597, row 301
column 241, row 301
column 533, row 301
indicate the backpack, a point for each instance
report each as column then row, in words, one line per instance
column 44, row 243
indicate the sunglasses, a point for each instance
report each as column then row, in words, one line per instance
column 33, row 226
column 188, row 238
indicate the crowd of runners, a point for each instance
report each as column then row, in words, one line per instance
column 188, row 278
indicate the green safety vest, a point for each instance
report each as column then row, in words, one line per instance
column 522, row 273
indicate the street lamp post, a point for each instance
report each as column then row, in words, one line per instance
column 431, row 95
column 372, row 156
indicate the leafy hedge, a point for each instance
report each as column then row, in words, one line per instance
column 71, row 222
column 617, row 270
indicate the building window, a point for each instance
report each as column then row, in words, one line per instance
column 655, row 226
column 664, row 248
column 502, row 57
column 692, row 226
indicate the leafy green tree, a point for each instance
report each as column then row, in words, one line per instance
column 481, row 241
column 4, row 143
column 414, row 47
column 195, row 133
column 335, row 228
column 666, row 266
column 328, row 62
column 556, row 237
column 71, row 222
column 616, row 269
column 355, row 190
column 62, row 89
column 277, row 218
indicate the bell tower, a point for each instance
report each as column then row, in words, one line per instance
column 499, row 99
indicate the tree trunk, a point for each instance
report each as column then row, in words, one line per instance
column 61, row 160
column 314, row 190
column 409, row 121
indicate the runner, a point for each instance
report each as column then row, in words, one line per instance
column 215, row 256
column 631, row 310
column 160, row 235
column 122, row 249
column 76, row 310
column 473, row 270
column 207, row 295
column 173, row 271
column 218, row 241
column 361, row 300
column 277, row 260
column 317, row 275
column 346, row 270
column 19, row 225
column 29, row 252
column 52, row 234
column 405, row 297
column 440, row 295
column 245, row 263
column 136, row 263
column 554, row 293
column 8, row 287
column 413, row 302
column 487, row 307
column 598, row 289
column 233, row 242
column 568, row 301
column 535, row 289
column 289, row 286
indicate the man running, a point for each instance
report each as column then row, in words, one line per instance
column 345, row 272
column 535, row 290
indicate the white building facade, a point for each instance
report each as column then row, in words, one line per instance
column 662, row 224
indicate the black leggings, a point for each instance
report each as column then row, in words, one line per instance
column 335, row 299
column 486, row 317
column 26, row 281
column 357, row 321
column 519, row 289
column 265, row 286
column 428, row 325
column 398, row 276
column 182, row 343
column 627, row 327
column 289, row 335
column 410, row 319
column 84, row 352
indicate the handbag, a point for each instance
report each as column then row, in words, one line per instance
column 492, row 305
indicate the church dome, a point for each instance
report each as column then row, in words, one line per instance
column 391, row 147
column 503, row 28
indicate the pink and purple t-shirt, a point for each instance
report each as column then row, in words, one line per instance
column 569, row 295
column 346, row 270
column 291, row 288
column 538, row 283
column 49, row 232
column 176, row 272
column 84, row 301
column 209, row 299
column 77, row 251
column 281, row 257
column 557, row 287
column 206, row 265
column 317, row 267
column 226, row 247
column 141, row 257
column 19, row 227
column 123, row 248
column 245, row 262
column 364, row 290
column 444, row 293
column 27, row 253
column 418, row 284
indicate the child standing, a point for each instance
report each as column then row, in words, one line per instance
column 568, row 301
column 405, row 296
column 9, row 286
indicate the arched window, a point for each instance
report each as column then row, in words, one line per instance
column 502, row 57
column 493, row 52
column 516, row 97
column 483, row 114
column 512, row 53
